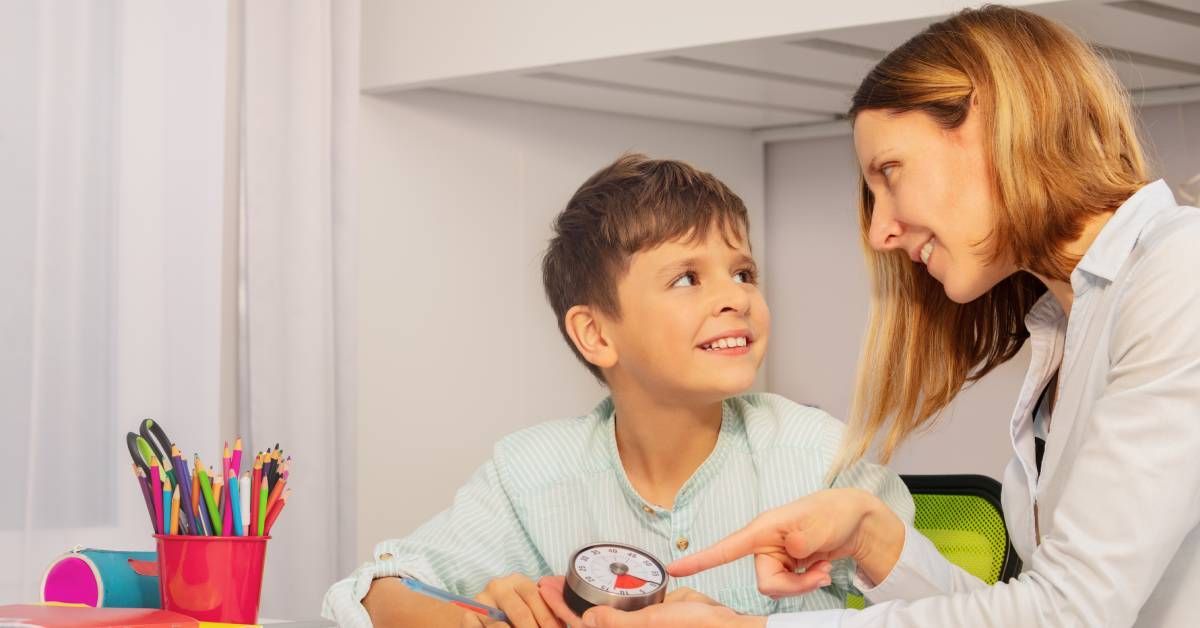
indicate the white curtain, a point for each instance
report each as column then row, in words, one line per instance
column 118, row 120
column 299, row 97
column 110, row 232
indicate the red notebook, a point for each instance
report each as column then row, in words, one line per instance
column 54, row 616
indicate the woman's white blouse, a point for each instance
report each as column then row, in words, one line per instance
column 1118, row 499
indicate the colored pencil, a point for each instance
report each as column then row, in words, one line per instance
column 226, row 511
column 262, row 507
column 156, row 494
column 235, row 500
column 275, row 493
column 175, row 518
column 201, row 520
column 144, row 484
column 218, row 483
column 244, row 493
column 166, row 499
column 274, row 513
column 255, row 477
column 237, row 456
column 184, row 485
column 273, row 457
column 457, row 600
column 214, row 516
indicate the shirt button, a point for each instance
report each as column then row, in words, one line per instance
column 682, row 543
column 385, row 556
column 648, row 510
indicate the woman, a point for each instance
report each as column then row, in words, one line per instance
column 1004, row 197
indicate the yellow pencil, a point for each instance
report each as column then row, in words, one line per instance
column 175, row 511
column 217, row 482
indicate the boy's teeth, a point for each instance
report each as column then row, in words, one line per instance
column 926, row 251
column 727, row 343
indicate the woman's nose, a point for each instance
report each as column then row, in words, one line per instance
column 885, row 231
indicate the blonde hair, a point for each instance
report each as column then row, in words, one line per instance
column 1063, row 148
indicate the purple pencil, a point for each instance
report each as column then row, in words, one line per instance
column 185, row 491
column 145, row 485
column 156, row 494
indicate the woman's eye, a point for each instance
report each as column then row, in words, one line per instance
column 886, row 170
column 744, row 276
column 685, row 280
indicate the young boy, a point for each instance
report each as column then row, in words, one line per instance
column 652, row 281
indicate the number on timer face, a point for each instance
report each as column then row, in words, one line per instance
column 618, row 571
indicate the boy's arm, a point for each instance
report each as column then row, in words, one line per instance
column 390, row 603
column 479, row 538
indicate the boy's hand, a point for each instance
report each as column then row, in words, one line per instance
column 685, row 594
column 518, row 597
column 681, row 607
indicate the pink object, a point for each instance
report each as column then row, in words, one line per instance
column 72, row 580
column 212, row 578
column 226, row 509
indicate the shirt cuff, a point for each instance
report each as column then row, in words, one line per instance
column 808, row 619
column 920, row 572
column 343, row 601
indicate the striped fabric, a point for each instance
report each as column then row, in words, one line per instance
column 554, row 487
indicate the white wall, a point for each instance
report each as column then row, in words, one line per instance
column 1172, row 136
column 817, row 289
column 457, row 346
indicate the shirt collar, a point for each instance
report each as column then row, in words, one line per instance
column 1045, row 316
column 1115, row 241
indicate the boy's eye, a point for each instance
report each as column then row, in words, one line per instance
column 744, row 276
column 687, row 279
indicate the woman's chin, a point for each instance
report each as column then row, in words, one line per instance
column 963, row 293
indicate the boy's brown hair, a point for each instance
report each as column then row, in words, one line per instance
column 634, row 204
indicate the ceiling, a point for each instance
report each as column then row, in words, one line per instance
column 790, row 82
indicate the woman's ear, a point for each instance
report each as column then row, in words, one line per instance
column 587, row 330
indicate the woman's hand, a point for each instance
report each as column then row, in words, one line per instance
column 519, row 598
column 682, row 608
column 807, row 534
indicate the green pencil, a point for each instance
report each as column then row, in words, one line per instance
column 206, row 489
column 262, row 507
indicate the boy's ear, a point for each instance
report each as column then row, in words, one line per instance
column 586, row 329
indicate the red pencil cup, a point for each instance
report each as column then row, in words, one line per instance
column 212, row 578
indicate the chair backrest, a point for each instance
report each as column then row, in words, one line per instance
column 962, row 516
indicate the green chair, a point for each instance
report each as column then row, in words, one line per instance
column 961, row 515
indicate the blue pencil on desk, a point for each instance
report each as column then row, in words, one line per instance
column 457, row 600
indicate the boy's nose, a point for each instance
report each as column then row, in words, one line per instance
column 733, row 299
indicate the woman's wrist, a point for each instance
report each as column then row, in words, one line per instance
column 881, row 541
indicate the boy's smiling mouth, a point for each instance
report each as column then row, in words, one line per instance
column 736, row 342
